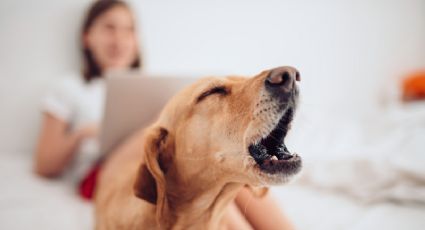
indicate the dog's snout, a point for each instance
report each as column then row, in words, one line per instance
column 282, row 79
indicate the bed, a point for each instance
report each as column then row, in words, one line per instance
column 333, row 192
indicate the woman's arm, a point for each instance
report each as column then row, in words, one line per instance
column 262, row 213
column 56, row 145
column 234, row 220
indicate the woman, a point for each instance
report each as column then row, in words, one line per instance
column 72, row 110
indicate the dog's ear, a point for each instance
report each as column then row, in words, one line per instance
column 257, row 191
column 158, row 150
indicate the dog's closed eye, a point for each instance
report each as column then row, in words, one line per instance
column 215, row 90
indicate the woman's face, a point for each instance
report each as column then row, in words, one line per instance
column 112, row 40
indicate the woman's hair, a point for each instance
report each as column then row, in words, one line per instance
column 91, row 68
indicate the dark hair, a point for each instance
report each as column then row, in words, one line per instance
column 91, row 68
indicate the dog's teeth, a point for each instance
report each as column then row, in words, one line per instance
column 274, row 158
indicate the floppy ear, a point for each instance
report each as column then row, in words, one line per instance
column 158, row 150
column 257, row 191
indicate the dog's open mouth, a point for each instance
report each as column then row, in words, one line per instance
column 271, row 153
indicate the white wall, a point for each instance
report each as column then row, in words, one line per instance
column 337, row 45
column 344, row 49
column 37, row 44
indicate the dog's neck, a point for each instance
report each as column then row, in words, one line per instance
column 201, row 207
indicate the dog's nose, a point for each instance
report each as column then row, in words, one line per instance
column 282, row 79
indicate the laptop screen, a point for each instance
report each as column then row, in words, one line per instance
column 134, row 101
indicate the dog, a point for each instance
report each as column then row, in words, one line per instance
column 210, row 140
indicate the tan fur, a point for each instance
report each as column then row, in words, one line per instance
column 184, row 170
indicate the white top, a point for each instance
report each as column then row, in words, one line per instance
column 78, row 103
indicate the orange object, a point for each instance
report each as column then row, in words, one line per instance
column 414, row 87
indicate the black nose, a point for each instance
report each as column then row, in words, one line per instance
column 282, row 79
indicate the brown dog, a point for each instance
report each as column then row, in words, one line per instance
column 209, row 141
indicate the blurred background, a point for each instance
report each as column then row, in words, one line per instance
column 352, row 55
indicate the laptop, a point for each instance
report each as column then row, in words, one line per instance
column 133, row 101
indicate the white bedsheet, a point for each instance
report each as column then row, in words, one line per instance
column 314, row 209
column 29, row 202
column 359, row 173
column 381, row 159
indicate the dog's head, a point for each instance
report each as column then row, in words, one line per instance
column 222, row 130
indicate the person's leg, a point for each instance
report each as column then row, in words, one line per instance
column 262, row 213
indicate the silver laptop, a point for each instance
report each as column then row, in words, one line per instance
column 132, row 102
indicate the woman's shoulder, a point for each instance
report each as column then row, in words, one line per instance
column 68, row 82
column 74, row 85
column 62, row 95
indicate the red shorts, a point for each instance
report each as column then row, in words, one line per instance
column 87, row 185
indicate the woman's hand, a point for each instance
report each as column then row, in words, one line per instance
column 88, row 131
column 234, row 220
column 57, row 146
column 260, row 210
